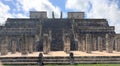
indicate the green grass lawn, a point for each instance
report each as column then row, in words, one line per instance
column 88, row 65
column 72, row 65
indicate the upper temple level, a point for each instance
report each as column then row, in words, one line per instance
column 75, row 21
column 43, row 14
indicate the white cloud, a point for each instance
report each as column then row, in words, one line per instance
column 100, row 9
column 39, row 5
column 22, row 7
column 81, row 5
column 4, row 13
column 19, row 15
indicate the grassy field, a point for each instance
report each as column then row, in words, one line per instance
column 89, row 65
column 72, row 65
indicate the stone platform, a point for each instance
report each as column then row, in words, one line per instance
column 60, row 57
column 63, row 54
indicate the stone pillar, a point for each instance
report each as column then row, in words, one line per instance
column 109, row 43
column 30, row 46
column 80, row 44
column 46, row 43
column 4, row 46
column 100, row 44
column 19, row 50
column 13, row 48
column 20, row 44
column 4, row 49
column 117, row 44
column 34, row 45
column 24, row 45
column 49, row 43
column 88, row 43
column 49, row 40
column 67, row 44
column 83, row 43
column 118, row 48
column 94, row 43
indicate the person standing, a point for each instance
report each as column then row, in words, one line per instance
column 40, row 59
column 71, row 58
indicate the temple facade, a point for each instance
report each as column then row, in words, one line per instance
column 74, row 33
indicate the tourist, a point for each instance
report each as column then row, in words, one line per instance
column 71, row 58
column 40, row 60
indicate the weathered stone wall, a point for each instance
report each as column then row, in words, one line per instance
column 38, row 14
column 76, row 15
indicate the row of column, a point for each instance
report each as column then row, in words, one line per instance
column 89, row 42
column 4, row 46
column 26, row 45
column 86, row 43
column 117, row 44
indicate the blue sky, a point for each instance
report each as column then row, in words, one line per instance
column 108, row 9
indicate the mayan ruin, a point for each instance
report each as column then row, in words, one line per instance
column 74, row 33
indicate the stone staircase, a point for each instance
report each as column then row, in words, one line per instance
column 60, row 60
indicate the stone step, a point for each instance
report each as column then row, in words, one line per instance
column 59, row 60
column 26, row 63
column 110, row 62
column 20, row 63
column 77, row 62
column 29, row 60
column 98, row 59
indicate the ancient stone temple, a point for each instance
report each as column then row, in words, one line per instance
column 74, row 33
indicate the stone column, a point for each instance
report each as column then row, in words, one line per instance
column 118, row 48
column 67, row 44
column 20, row 44
column 48, row 47
column 88, row 43
column 13, row 48
column 34, row 45
column 46, row 43
column 94, row 43
column 117, row 44
column 100, row 44
column 30, row 46
column 49, row 40
column 79, row 44
column 4, row 46
column 24, row 45
column 4, row 49
column 19, row 50
column 109, row 47
column 83, row 43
